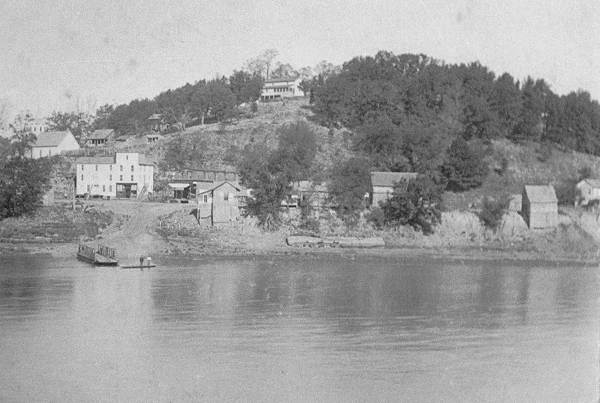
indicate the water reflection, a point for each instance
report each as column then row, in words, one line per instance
column 298, row 329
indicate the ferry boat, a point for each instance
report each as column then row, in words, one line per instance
column 102, row 256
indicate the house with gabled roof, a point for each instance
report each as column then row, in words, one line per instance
column 100, row 137
column 52, row 143
column 382, row 184
column 539, row 206
column 279, row 88
column 588, row 190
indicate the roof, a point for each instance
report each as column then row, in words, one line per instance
column 541, row 194
column 389, row 178
column 155, row 116
column 142, row 160
column 95, row 160
column 595, row 183
column 217, row 185
column 281, row 80
column 51, row 139
column 101, row 134
column 308, row 186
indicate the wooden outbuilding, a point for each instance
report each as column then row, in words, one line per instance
column 100, row 138
column 220, row 202
column 539, row 206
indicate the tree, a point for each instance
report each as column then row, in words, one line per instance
column 464, row 168
column 269, row 173
column 269, row 185
column 245, row 86
column 419, row 206
column 23, row 181
column 262, row 63
column 214, row 101
column 296, row 150
column 79, row 124
column 284, row 70
column 349, row 182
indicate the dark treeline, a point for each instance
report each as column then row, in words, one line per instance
column 212, row 100
column 23, row 180
column 407, row 109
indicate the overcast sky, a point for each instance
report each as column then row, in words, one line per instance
column 56, row 54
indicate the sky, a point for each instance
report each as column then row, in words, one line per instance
column 78, row 55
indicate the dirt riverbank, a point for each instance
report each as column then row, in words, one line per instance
column 162, row 229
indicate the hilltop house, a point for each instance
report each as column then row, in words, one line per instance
column 279, row 88
column 539, row 206
column 36, row 126
column 122, row 176
column 587, row 190
column 220, row 202
column 382, row 184
column 100, row 137
column 48, row 144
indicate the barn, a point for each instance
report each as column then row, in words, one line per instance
column 539, row 206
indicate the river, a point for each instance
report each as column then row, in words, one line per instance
column 298, row 329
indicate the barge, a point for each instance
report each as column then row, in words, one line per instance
column 102, row 256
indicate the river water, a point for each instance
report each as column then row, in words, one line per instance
column 298, row 329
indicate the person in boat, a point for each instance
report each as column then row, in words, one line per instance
column 148, row 261
column 142, row 258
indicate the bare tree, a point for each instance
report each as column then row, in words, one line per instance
column 262, row 63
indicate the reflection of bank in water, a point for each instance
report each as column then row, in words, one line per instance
column 101, row 256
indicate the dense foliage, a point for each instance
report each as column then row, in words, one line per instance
column 464, row 167
column 269, row 173
column 349, row 182
column 213, row 100
column 397, row 103
column 23, row 181
column 492, row 211
column 418, row 206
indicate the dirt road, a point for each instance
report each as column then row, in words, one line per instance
column 133, row 233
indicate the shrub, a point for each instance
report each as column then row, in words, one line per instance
column 419, row 206
column 376, row 217
column 566, row 192
column 492, row 211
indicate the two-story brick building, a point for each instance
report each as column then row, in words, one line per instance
column 122, row 176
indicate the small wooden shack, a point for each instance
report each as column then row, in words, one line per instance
column 588, row 190
column 539, row 206
column 220, row 202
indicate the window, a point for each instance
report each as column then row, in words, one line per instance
column 82, row 167
column 81, row 176
column 120, row 177
column 88, row 188
column 205, row 198
column 109, row 177
column 110, row 167
column 110, row 188
column 132, row 178
column 104, row 188
column 96, row 167
column 126, row 157
column 50, row 153
column 132, row 168
column 121, row 168
column 226, row 196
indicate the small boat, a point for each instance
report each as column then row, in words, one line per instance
column 102, row 256
column 139, row 266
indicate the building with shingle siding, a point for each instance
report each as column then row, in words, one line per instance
column 539, row 206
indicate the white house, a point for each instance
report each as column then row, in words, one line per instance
column 48, row 144
column 122, row 176
column 278, row 88
column 36, row 126
column 587, row 191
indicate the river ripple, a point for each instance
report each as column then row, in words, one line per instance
column 298, row 330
